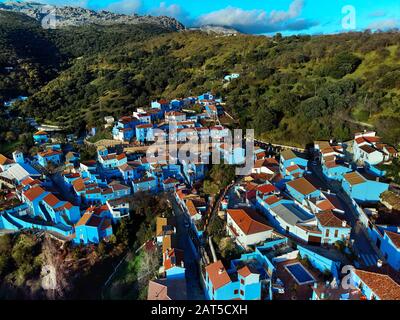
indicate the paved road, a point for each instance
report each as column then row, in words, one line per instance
column 362, row 245
column 194, row 289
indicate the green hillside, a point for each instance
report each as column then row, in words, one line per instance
column 291, row 89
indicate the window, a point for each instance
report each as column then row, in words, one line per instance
column 241, row 292
column 236, row 291
column 336, row 233
column 327, row 233
column 241, row 281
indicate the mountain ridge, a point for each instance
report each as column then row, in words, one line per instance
column 77, row 16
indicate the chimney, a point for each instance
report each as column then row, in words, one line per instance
column 182, row 264
column 379, row 263
column 315, row 285
column 322, row 296
column 221, row 270
column 344, row 223
column 329, row 191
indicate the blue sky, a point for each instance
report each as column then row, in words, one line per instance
column 263, row 16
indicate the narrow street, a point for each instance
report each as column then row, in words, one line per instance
column 362, row 245
column 194, row 289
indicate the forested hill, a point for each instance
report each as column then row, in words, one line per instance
column 291, row 89
column 37, row 55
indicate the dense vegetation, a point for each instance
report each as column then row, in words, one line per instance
column 32, row 56
column 292, row 89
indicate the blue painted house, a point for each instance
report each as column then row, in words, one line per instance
column 147, row 183
column 41, row 137
column 333, row 228
column 289, row 158
column 50, row 156
column 390, row 247
column 144, row 132
column 361, row 189
column 334, row 171
column 302, row 189
column 375, row 286
column 174, row 266
column 242, row 282
column 92, row 228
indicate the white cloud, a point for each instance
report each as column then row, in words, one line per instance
column 259, row 21
column 125, row 6
column 384, row 24
column 294, row 11
column 172, row 10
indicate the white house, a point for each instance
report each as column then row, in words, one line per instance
column 247, row 227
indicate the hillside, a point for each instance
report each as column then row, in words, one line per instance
column 292, row 89
column 31, row 57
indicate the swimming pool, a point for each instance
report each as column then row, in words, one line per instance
column 299, row 273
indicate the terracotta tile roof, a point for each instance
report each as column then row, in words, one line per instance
column 4, row 160
column 267, row 188
column 394, row 237
column 293, row 168
column 249, row 221
column 382, row 285
column 354, row 178
column 218, row 275
column 157, row 291
column 160, row 223
column 49, row 153
column 121, row 156
column 51, row 200
column 246, row 270
column 302, row 185
column 325, row 205
column 288, row 154
column 329, row 219
column 272, row 199
column 40, row 133
column 191, row 207
column 84, row 219
column 30, row 181
column 368, row 149
column 33, row 193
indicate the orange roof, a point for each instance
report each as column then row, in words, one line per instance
column 246, row 271
column 382, row 285
column 302, row 185
column 30, row 181
column 248, row 221
column 191, row 207
column 354, row 178
column 49, row 153
column 272, row 199
column 51, row 200
column 217, row 274
column 40, row 133
column 267, row 188
column 329, row 219
column 33, row 193
column 121, row 156
column 394, row 237
column 5, row 160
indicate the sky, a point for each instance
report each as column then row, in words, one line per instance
column 262, row 16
